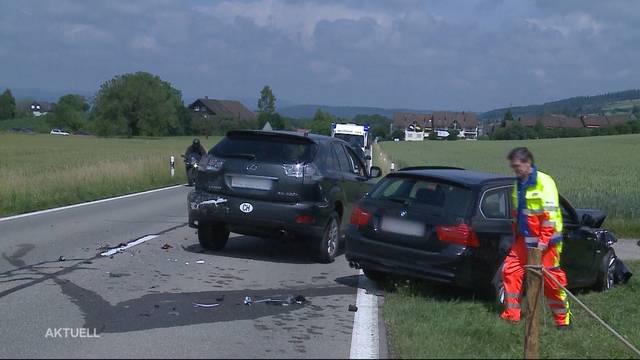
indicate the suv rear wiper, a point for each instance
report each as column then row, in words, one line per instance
column 240, row 155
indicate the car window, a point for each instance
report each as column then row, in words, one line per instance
column 567, row 217
column 495, row 204
column 265, row 149
column 442, row 198
column 343, row 160
column 354, row 164
column 327, row 160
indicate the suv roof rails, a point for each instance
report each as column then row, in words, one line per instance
column 431, row 168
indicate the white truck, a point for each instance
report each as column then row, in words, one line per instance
column 358, row 137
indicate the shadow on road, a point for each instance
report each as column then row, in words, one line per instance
column 261, row 249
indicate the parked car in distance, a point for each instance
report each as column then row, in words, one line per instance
column 273, row 184
column 455, row 226
column 58, row 132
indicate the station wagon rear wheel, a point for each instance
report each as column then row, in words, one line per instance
column 606, row 274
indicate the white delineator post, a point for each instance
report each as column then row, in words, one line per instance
column 172, row 165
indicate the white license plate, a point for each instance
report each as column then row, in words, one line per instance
column 251, row 183
column 404, row 227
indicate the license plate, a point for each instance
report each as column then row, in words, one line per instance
column 404, row 227
column 251, row 183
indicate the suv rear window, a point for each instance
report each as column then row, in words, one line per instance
column 270, row 149
column 450, row 199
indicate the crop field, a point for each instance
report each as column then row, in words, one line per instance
column 591, row 172
column 43, row 171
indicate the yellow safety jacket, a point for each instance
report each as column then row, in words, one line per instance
column 538, row 216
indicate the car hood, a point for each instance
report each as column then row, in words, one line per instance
column 597, row 215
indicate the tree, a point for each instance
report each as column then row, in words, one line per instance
column 636, row 110
column 7, row 105
column 267, row 101
column 538, row 129
column 136, row 104
column 508, row 116
column 69, row 113
column 453, row 134
column 321, row 123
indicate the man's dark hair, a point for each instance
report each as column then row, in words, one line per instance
column 522, row 154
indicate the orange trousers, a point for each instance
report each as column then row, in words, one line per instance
column 512, row 275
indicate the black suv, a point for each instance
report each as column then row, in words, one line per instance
column 272, row 183
column 454, row 225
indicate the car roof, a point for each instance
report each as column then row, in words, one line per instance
column 456, row 175
column 291, row 134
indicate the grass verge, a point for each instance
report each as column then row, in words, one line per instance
column 44, row 171
column 428, row 320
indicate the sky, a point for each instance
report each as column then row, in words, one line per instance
column 471, row 55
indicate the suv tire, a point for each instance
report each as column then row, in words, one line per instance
column 327, row 248
column 213, row 236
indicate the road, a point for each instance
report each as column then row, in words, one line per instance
column 140, row 302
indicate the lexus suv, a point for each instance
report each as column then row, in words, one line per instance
column 273, row 184
column 453, row 225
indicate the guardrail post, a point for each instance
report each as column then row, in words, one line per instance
column 534, row 289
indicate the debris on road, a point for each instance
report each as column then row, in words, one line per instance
column 205, row 305
column 166, row 247
column 353, row 308
column 288, row 300
column 200, row 262
column 220, row 298
column 61, row 258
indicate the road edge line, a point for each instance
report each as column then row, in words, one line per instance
column 365, row 337
column 67, row 207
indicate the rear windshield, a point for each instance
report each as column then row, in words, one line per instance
column 353, row 140
column 444, row 198
column 265, row 149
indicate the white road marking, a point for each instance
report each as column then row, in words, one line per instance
column 86, row 203
column 128, row 245
column 365, row 337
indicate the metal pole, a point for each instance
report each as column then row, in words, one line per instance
column 534, row 287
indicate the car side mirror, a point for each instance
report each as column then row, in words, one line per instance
column 368, row 157
column 375, row 172
column 587, row 220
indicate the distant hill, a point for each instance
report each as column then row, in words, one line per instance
column 574, row 106
column 346, row 112
column 43, row 95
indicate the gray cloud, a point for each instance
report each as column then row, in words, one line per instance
column 438, row 54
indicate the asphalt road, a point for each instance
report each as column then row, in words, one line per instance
column 140, row 302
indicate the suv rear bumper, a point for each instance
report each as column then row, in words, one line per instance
column 454, row 266
column 266, row 219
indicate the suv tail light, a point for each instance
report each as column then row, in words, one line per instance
column 359, row 216
column 461, row 234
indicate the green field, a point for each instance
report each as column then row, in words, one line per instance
column 593, row 172
column 433, row 321
column 37, row 124
column 43, row 171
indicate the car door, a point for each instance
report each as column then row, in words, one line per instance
column 578, row 248
column 494, row 226
column 354, row 177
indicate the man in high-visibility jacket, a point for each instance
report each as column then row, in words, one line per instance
column 538, row 223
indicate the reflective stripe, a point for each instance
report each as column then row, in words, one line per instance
column 550, row 208
column 532, row 211
column 512, row 305
column 530, row 239
column 549, row 223
column 559, row 310
column 512, row 295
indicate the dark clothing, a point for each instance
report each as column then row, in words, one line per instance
column 195, row 150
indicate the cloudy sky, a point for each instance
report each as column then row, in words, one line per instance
column 459, row 55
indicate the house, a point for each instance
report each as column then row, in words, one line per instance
column 41, row 108
column 551, row 121
column 440, row 122
column 221, row 108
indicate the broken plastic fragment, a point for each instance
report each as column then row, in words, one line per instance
column 61, row 258
column 213, row 201
column 166, row 246
column 200, row 262
column 248, row 300
column 353, row 308
column 205, row 305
